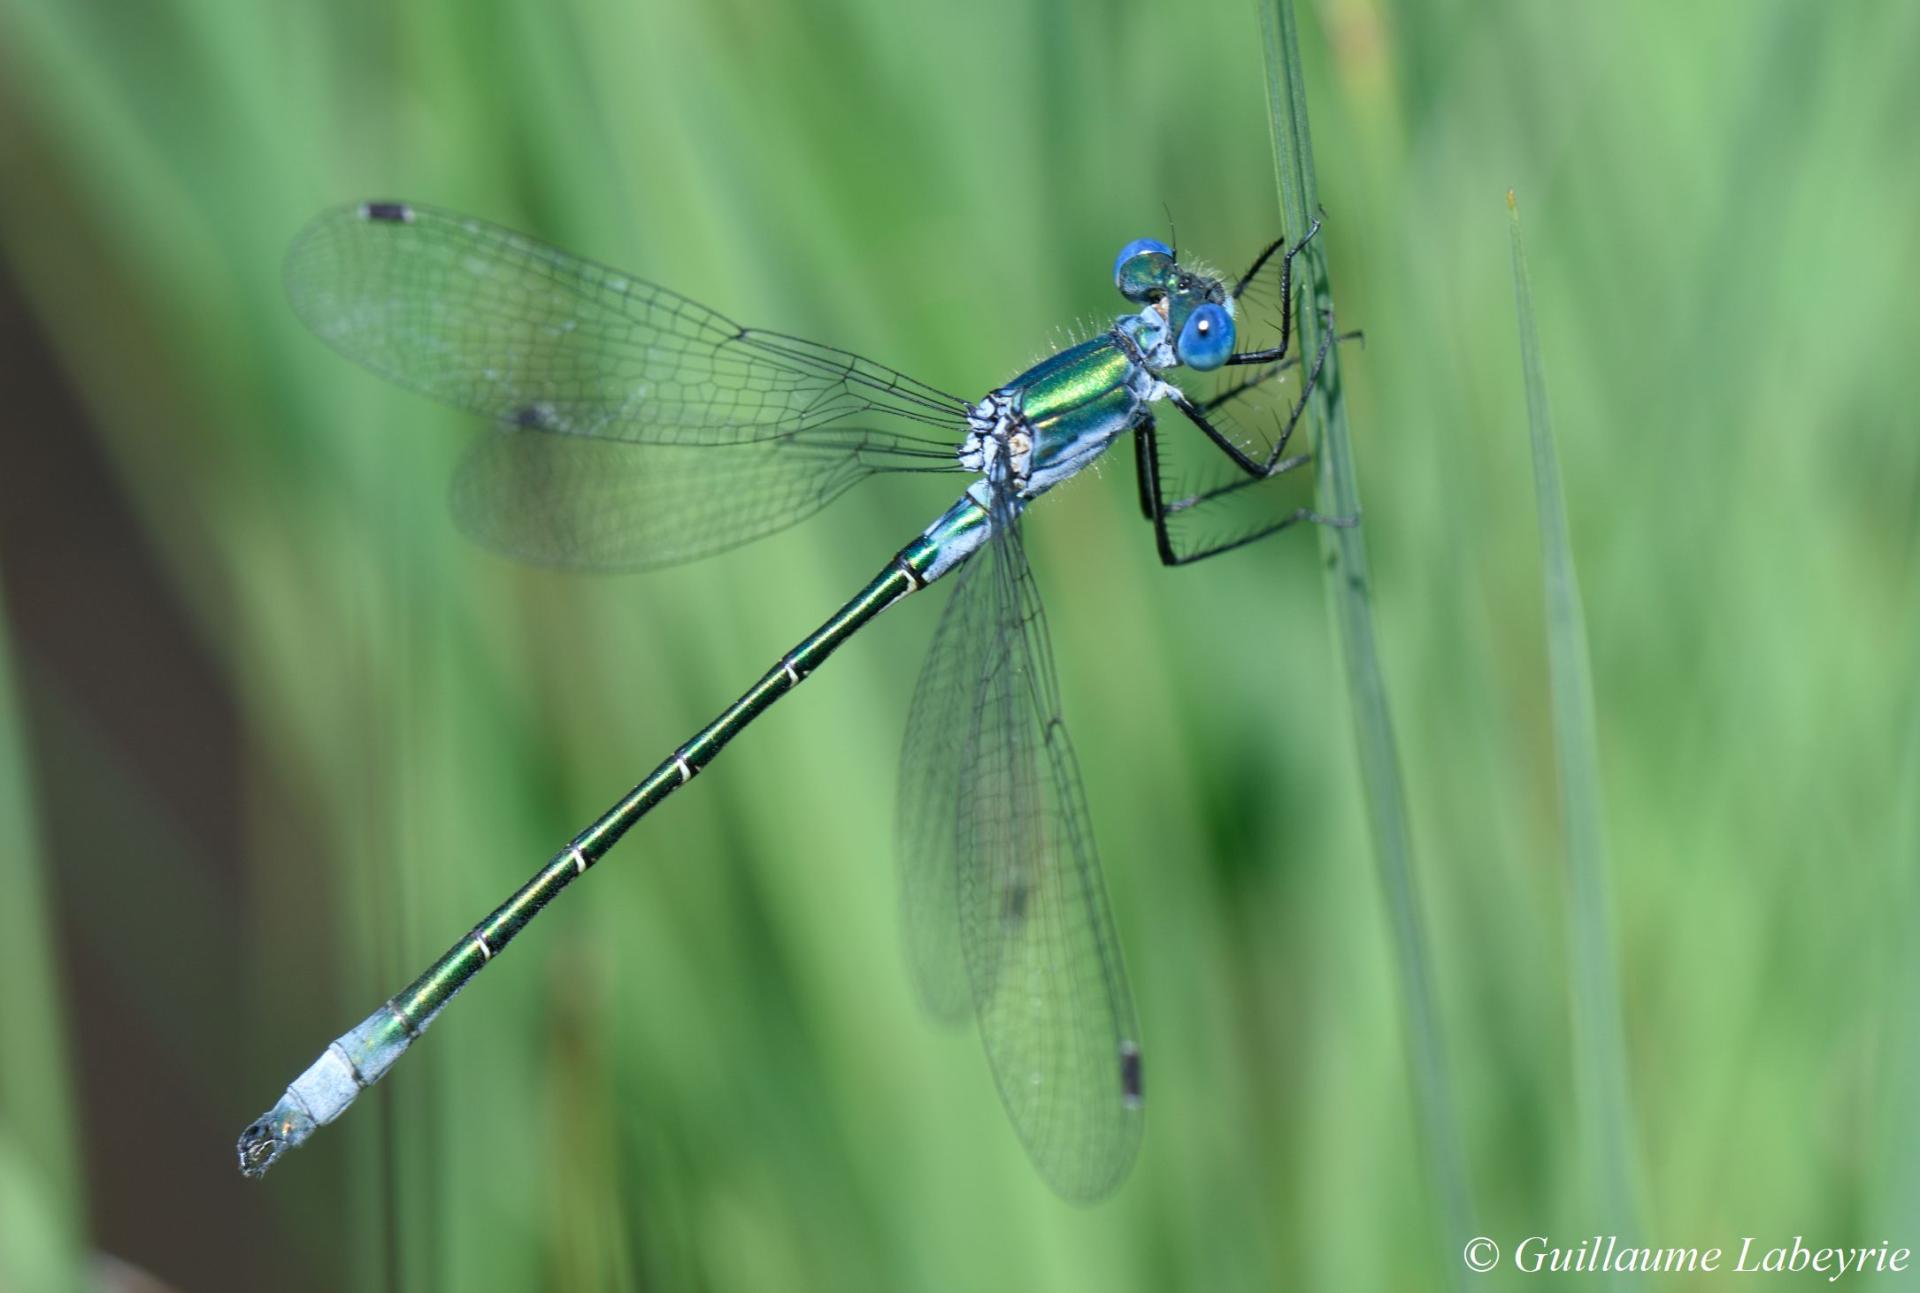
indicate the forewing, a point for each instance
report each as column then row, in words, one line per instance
column 507, row 327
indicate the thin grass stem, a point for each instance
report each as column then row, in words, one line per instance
column 39, row 1160
column 1345, row 553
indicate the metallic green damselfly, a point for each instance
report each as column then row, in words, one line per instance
column 636, row 428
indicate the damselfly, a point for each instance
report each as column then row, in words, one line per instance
column 638, row 429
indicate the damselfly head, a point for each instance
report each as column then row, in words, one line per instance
column 1193, row 303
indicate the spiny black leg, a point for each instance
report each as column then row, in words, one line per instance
column 1146, row 470
column 1258, row 261
column 1146, row 458
column 1286, row 522
column 1272, row 247
column 1246, row 384
column 1198, row 417
column 1266, row 375
column 1286, row 300
column 1241, row 459
column 1306, row 387
column 1281, row 468
column 1146, row 463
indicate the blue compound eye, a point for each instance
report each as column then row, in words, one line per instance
column 1142, row 266
column 1207, row 339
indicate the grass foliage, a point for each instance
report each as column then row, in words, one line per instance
column 1344, row 555
column 40, row 1178
column 1599, row 1048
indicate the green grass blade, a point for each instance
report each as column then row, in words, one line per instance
column 41, row 1246
column 1599, row 1044
column 1345, row 553
column 1896, row 1162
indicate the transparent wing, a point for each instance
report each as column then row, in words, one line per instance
column 579, row 503
column 510, row 328
column 1022, row 894
column 938, row 725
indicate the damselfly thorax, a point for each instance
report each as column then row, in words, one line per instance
column 1053, row 420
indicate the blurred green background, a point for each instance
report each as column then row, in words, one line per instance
column 271, row 734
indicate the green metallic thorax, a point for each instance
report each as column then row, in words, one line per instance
column 1074, row 404
column 1068, row 382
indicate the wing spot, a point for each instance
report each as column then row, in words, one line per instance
column 1131, row 1088
column 1013, row 902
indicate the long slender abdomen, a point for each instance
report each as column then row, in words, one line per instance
column 360, row 1057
